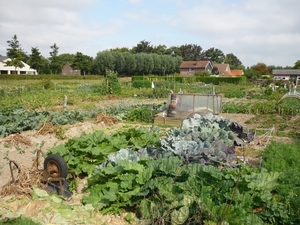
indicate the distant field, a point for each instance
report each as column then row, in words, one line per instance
column 6, row 83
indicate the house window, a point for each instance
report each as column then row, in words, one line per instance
column 191, row 69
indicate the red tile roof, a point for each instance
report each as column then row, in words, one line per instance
column 194, row 64
column 237, row 72
column 222, row 67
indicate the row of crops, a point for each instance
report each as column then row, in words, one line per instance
column 264, row 107
column 191, row 175
column 19, row 120
column 260, row 101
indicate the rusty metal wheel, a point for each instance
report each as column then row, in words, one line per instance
column 56, row 166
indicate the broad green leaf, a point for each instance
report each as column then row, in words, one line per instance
column 144, row 176
column 131, row 166
column 180, row 216
column 127, row 181
column 126, row 196
column 263, row 180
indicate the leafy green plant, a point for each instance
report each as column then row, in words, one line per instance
column 235, row 94
column 289, row 106
column 2, row 93
column 163, row 187
column 112, row 82
column 60, row 132
column 141, row 83
column 6, row 156
column 284, row 158
column 84, row 153
column 20, row 150
column 135, row 113
column 203, row 139
column 233, row 91
column 232, row 107
column 266, row 107
column 21, row 120
column 169, row 190
column 142, row 114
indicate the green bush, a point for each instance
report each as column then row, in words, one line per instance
column 110, row 85
column 112, row 81
column 202, row 74
column 48, row 84
column 220, row 80
column 268, row 91
column 142, row 114
column 204, row 79
column 99, row 89
column 289, row 106
column 235, row 108
column 141, row 83
column 265, row 107
column 235, row 94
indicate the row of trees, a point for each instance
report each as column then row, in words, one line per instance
column 51, row 65
column 162, row 60
column 143, row 58
column 129, row 64
column 188, row 52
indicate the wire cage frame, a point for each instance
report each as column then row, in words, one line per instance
column 189, row 104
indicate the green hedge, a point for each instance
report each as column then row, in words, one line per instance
column 219, row 80
column 178, row 79
column 207, row 80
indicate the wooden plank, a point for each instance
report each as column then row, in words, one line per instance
column 159, row 120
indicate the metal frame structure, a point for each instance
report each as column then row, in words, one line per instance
column 183, row 105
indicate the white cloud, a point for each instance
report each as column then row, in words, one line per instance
column 254, row 30
column 43, row 23
column 262, row 26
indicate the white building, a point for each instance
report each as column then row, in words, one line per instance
column 4, row 69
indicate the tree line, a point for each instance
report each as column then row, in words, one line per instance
column 143, row 58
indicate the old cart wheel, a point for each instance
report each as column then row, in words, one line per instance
column 56, row 166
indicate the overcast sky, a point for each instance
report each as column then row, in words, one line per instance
column 266, row 31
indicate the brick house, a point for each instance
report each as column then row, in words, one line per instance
column 68, row 70
column 189, row 68
column 223, row 69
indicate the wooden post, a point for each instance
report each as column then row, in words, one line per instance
column 65, row 103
